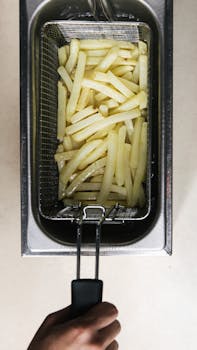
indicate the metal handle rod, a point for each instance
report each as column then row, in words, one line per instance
column 79, row 238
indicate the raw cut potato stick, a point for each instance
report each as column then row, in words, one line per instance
column 128, row 76
column 100, row 134
column 97, row 53
column 84, row 175
column 111, row 103
column 94, row 196
column 129, row 126
column 91, row 44
column 108, row 91
column 66, row 78
column 109, row 168
column 93, row 186
column 143, row 72
column 91, row 98
column 128, row 179
column 94, row 155
column 61, row 121
column 60, row 165
column 116, row 82
column 72, row 102
column 93, row 61
column 83, row 99
column 108, row 60
column 83, row 114
column 142, row 46
column 141, row 168
column 62, row 56
column 74, row 51
column 100, row 97
column 122, row 70
column 132, row 86
column 136, row 74
column 73, row 164
column 65, row 155
column 71, row 129
column 99, row 178
column 103, row 109
column 135, row 145
column 120, row 162
column 102, row 124
column 133, row 102
column 67, row 142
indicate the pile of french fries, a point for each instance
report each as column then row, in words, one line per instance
column 102, row 127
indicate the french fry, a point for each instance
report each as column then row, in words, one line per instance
column 118, row 71
column 65, row 155
column 74, row 51
column 83, row 99
column 136, row 74
column 73, row 164
column 111, row 103
column 84, row 175
column 61, row 121
column 101, row 134
column 71, row 129
column 141, row 164
column 67, row 143
column 103, row 109
column 133, row 102
column 108, row 60
column 143, row 72
column 100, row 97
column 102, row 124
column 94, row 155
column 128, row 76
column 131, row 85
column 93, row 61
column 118, row 84
column 120, row 162
column 91, row 101
column 60, row 148
column 142, row 46
column 128, row 179
column 108, row 91
column 94, row 196
column 135, row 146
column 98, row 172
column 109, row 168
column 83, row 114
column 97, row 178
column 66, row 78
column 91, row 44
column 97, row 53
column 100, row 76
column 62, row 56
column 72, row 103
column 95, row 186
column 60, row 165
column 135, row 53
column 125, row 53
column 129, row 126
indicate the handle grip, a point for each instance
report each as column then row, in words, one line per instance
column 86, row 293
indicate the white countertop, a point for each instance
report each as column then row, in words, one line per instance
column 156, row 296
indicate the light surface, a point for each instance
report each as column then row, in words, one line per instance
column 156, row 296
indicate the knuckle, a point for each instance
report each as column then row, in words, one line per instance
column 81, row 331
column 112, row 308
column 49, row 318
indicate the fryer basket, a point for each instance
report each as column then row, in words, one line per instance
column 53, row 35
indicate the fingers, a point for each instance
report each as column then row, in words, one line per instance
column 109, row 333
column 57, row 317
column 113, row 346
column 100, row 316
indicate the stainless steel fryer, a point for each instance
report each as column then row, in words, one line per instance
column 50, row 24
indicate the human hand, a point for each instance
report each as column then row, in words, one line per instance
column 95, row 330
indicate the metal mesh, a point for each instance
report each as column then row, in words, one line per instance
column 54, row 35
